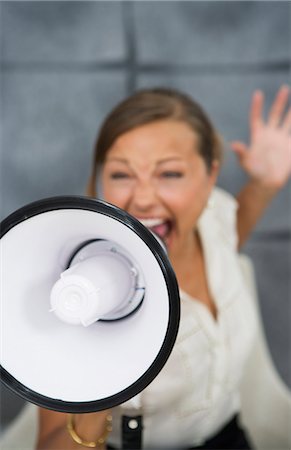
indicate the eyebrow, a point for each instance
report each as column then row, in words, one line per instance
column 174, row 158
column 117, row 160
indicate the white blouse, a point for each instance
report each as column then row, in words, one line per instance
column 196, row 393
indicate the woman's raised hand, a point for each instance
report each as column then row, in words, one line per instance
column 267, row 159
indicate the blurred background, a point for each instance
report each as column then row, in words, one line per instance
column 64, row 65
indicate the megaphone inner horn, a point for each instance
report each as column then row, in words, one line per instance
column 102, row 282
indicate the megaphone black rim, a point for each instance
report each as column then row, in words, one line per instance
column 90, row 204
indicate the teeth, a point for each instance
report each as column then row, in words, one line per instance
column 151, row 222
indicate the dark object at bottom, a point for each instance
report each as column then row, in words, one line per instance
column 230, row 437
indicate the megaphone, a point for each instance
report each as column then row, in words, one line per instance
column 89, row 302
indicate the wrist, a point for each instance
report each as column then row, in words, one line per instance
column 264, row 188
column 90, row 430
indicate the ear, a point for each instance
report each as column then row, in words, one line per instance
column 90, row 188
column 214, row 171
column 93, row 182
column 98, row 182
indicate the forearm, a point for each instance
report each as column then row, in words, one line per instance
column 54, row 434
column 252, row 202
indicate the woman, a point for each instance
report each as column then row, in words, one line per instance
column 158, row 157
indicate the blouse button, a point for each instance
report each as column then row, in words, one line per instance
column 133, row 424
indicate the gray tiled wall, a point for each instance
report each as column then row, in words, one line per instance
column 62, row 32
column 49, row 126
column 212, row 33
column 65, row 64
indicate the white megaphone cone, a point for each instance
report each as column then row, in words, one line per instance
column 86, row 292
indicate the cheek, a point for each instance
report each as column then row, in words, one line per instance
column 116, row 196
column 188, row 201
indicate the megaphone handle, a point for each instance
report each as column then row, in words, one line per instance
column 131, row 432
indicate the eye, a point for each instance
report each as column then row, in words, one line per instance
column 119, row 175
column 171, row 174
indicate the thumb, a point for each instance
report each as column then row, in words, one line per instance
column 239, row 148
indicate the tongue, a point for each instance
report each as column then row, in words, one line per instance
column 161, row 230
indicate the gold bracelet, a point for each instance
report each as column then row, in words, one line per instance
column 90, row 444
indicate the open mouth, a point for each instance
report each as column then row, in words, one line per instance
column 160, row 227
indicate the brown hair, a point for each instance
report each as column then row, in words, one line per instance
column 151, row 105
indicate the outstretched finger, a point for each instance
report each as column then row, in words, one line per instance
column 278, row 107
column 286, row 124
column 256, row 111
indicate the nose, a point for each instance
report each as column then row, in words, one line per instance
column 144, row 196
